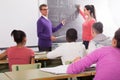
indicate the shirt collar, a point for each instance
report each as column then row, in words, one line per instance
column 45, row 17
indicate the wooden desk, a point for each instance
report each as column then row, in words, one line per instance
column 4, row 77
column 3, row 61
column 41, row 57
column 38, row 57
column 45, row 61
column 36, row 74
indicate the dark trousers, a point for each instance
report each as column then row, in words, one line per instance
column 86, row 43
column 44, row 49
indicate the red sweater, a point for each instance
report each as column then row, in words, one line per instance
column 86, row 28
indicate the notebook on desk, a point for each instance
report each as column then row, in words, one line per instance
column 44, row 52
column 56, row 70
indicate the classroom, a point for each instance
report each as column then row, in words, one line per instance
column 51, row 63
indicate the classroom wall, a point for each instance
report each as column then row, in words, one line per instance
column 19, row 14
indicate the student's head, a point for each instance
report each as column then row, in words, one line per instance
column 71, row 35
column 19, row 36
column 116, row 39
column 90, row 10
column 97, row 28
column 43, row 9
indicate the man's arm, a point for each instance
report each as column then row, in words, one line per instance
column 54, row 29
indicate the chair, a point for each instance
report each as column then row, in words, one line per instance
column 68, row 62
column 19, row 67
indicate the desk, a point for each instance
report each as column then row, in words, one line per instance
column 3, row 61
column 36, row 74
column 45, row 61
column 41, row 56
column 4, row 77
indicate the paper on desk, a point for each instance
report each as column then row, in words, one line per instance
column 56, row 70
column 60, row 36
column 44, row 52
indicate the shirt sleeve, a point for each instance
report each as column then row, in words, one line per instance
column 83, row 15
column 56, row 53
column 54, row 29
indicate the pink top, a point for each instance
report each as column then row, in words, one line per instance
column 19, row 55
column 86, row 28
column 107, row 61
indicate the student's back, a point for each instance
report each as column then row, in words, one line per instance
column 68, row 51
column 18, row 55
column 99, row 41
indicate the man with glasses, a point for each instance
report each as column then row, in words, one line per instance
column 45, row 30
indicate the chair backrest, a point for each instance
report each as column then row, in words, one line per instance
column 68, row 62
column 19, row 67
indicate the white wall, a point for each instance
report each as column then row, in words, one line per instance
column 19, row 14
column 108, row 13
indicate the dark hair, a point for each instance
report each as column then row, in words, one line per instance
column 71, row 35
column 92, row 10
column 98, row 27
column 42, row 5
column 117, row 37
column 18, row 35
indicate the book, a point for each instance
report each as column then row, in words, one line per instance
column 56, row 70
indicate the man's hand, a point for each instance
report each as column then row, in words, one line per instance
column 63, row 22
column 76, row 59
column 53, row 38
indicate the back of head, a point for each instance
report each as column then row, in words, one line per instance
column 98, row 27
column 71, row 35
column 91, row 8
column 18, row 35
column 117, row 38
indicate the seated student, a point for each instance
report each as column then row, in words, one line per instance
column 99, row 39
column 18, row 54
column 107, row 61
column 68, row 51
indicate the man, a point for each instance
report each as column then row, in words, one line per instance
column 68, row 51
column 45, row 29
column 99, row 39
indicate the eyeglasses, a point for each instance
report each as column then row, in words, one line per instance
column 44, row 9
